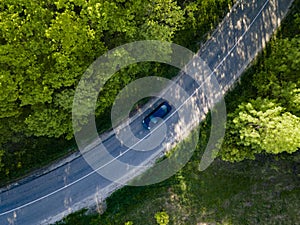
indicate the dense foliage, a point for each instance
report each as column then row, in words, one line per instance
column 47, row 45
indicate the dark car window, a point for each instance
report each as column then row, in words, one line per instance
column 160, row 111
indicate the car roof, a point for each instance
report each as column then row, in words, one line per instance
column 155, row 112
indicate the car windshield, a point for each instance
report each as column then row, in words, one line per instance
column 153, row 119
column 164, row 108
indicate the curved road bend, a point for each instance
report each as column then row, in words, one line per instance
column 233, row 45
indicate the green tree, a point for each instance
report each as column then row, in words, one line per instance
column 260, row 126
column 129, row 223
column 279, row 76
column 201, row 17
column 162, row 218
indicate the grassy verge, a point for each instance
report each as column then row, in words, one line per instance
column 265, row 191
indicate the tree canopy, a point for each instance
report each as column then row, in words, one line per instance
column 47, row 45
column 271, row 122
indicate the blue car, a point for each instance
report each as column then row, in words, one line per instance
column 160, row 111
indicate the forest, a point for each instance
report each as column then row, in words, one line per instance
column 43, row 58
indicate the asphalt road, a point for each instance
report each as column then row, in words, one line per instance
column 234, row 44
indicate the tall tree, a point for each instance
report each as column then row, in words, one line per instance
column 260, row 126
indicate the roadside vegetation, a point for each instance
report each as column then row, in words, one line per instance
column 265, row 191
column 256, row 178
column 47, row 45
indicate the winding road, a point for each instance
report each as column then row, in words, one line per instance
column 75, row 185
